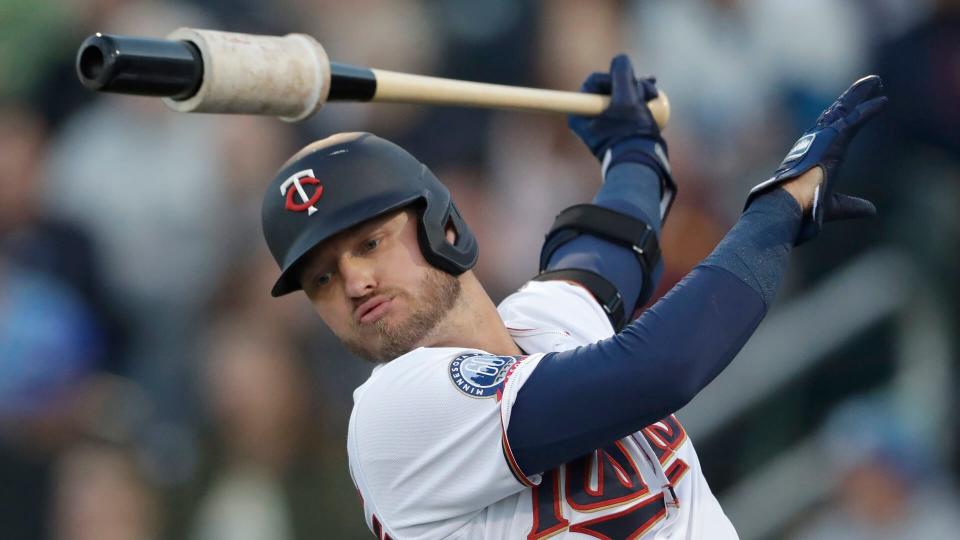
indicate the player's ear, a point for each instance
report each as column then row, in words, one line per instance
column 451, row 232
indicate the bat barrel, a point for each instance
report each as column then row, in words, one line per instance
column 140, row 66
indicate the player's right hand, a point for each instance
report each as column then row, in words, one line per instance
column 625, row 131
column 627, row 115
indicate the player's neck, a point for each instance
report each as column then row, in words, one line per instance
column 474, row 323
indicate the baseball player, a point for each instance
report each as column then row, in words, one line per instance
column 549, row 415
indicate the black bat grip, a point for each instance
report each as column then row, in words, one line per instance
column 141, row 66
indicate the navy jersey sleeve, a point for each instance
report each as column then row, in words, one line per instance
column 633, row 189
column 579, row 400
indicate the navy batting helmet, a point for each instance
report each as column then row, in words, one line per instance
column 346, row 179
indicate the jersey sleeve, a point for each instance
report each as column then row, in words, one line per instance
column 559, row 307
column 426, row 440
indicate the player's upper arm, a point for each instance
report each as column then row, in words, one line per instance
column 554, row 306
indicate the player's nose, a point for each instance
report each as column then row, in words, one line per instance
column 358, row 276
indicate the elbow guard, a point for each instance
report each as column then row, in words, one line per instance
column 612, row 226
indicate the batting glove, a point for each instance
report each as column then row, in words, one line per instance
column 626, row 131
column 825, row 146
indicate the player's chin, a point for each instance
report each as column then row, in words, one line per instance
column 380, row 347
column 365, row 343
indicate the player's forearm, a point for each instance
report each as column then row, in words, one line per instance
column 757, row 248
column 579, row 400
column 633, row 189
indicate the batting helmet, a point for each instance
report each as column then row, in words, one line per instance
column 346, row 179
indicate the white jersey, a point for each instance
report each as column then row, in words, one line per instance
column 430, row 458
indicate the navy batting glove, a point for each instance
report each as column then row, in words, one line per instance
column 825, row 145
column 626, row 131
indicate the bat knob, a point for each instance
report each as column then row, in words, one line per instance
column 142, row 66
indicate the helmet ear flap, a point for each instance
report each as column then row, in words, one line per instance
column 454, row 258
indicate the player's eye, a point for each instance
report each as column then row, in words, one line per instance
column 370, row 244
column 322, row 279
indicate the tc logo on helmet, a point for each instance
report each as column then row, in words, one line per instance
column 294, row 186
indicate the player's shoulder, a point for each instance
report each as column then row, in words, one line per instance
column 560, row 307
column 431, row 386
column 435, row 372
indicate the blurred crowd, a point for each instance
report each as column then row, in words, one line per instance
column 151, row 388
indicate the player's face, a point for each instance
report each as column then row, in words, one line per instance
column 373, row 288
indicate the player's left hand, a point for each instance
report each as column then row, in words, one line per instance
column 825, row 146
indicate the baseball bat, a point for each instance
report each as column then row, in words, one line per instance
column 290, row 76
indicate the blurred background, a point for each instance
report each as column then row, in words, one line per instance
column 150, row 387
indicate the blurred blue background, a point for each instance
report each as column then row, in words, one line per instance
column 150, row 388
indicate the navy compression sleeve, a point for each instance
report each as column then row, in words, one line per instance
column 633, row 189
column 582, row 399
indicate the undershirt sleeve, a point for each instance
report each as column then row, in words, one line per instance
column 582, row 399
column 632, row 189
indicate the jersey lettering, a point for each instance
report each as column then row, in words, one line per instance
column 630, row 523
column 547, row 516
column 665, row 437
column 603, row 478
column 606, row 478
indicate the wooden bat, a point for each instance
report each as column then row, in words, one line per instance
column 290, row 76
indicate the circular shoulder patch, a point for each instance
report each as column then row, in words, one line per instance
column 480, row 375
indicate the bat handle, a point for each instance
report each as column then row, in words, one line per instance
column 409, row 88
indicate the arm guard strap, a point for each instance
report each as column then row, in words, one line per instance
column 610, row 225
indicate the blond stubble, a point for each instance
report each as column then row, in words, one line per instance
column 437, row 294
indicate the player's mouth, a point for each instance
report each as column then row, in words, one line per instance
column 372, row 310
